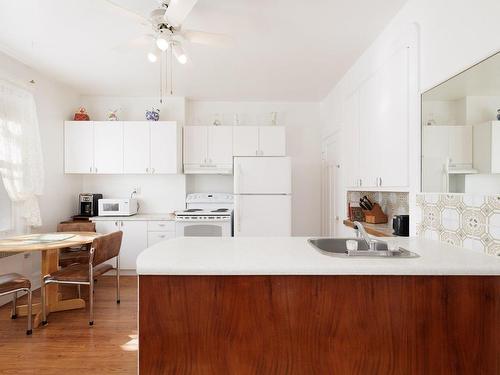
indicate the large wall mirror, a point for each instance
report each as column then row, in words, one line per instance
column 461, row 132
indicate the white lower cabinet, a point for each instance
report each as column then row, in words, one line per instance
column 135, row 239
column 137, row 236
column 155, row 237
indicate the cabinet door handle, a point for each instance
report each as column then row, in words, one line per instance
column 116, row 223
column 147, row 170
column 90, row 170
column 162, row 236
column 95, row 169
column 380, row 181
column 360, row 182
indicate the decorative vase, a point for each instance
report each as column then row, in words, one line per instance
column 153, row 115
column 112, row 116
column 81, row 115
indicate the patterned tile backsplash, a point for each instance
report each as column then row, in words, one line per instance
column 466, row 220
column 392, row 203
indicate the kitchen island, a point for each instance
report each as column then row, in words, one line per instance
column 278, row 306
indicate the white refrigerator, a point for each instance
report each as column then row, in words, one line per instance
column 262, row 197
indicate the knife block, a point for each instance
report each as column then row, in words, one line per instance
column 375, row 215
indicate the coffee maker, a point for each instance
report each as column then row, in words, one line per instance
column 89, row 204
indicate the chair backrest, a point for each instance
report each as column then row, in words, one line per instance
column 105, row 247
column 76, row 227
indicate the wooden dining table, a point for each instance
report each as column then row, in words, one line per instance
column 49, row 245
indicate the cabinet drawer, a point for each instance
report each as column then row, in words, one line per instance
column 155, row 237
column 161, row 226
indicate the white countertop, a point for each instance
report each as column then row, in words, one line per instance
column 150, row 217
column 294, row 256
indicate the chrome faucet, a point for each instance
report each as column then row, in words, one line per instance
column 361, row 232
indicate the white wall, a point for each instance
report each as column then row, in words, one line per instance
column 453, row 35
column 303, row 145
column 55, row 102
column 481, row 109
column 131, row 108
column 158, row 194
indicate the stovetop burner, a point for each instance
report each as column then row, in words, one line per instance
column 193, row 210
column 220, row 210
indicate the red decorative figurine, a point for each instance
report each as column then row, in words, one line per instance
column 81, row 115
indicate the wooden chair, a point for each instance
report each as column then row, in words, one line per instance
column 70, row 255
column 103, row 249
column 12, row 283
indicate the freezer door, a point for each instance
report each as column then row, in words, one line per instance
column 262, row 175
column 262, row 215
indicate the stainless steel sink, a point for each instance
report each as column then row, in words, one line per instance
column 337, row 247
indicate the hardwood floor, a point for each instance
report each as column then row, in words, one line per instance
column 67, row 344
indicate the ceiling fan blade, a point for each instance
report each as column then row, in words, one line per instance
column 138, row 17
column 178, row 10
column 211, row 39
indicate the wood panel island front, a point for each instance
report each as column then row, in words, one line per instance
column 278, row 306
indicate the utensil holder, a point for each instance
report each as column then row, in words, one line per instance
column 375, row 215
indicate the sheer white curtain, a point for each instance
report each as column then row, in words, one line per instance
column 21, row 164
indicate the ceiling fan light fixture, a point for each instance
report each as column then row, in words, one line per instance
column 179, row 53
column 152, row 56
column 162, row 43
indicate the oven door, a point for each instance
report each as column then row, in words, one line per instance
column 193, row 228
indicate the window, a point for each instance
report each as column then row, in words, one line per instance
column 21, row 165
column 5, row 210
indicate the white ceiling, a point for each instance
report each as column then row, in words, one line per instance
column 284, row 50
column 482, row 79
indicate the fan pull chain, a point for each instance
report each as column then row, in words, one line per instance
column 165, row 70
column 161, row 80
column 171, row 72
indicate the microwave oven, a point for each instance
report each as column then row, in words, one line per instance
column 118, row 207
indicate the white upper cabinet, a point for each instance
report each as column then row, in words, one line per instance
column 116, row 147
column 165, row 155
column 220, row 145
column 245, row 140
column 380, row 143
column 195, row 145
column 79, row 147
column 259, row 141
column 350, row 144
column 208, row 149
column 136, row 148
column 108, row 147
column 272, row 141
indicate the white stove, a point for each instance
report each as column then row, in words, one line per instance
column 206, row 214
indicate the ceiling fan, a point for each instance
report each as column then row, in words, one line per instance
column 167, row 32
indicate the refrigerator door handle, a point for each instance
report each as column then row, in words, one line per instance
column 240, row 177
column 238, row 229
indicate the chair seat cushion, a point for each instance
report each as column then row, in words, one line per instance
column 78, row 272
column 70, row 257
column 13, row 281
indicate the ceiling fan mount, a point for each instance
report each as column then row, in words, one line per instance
column 167, row 32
